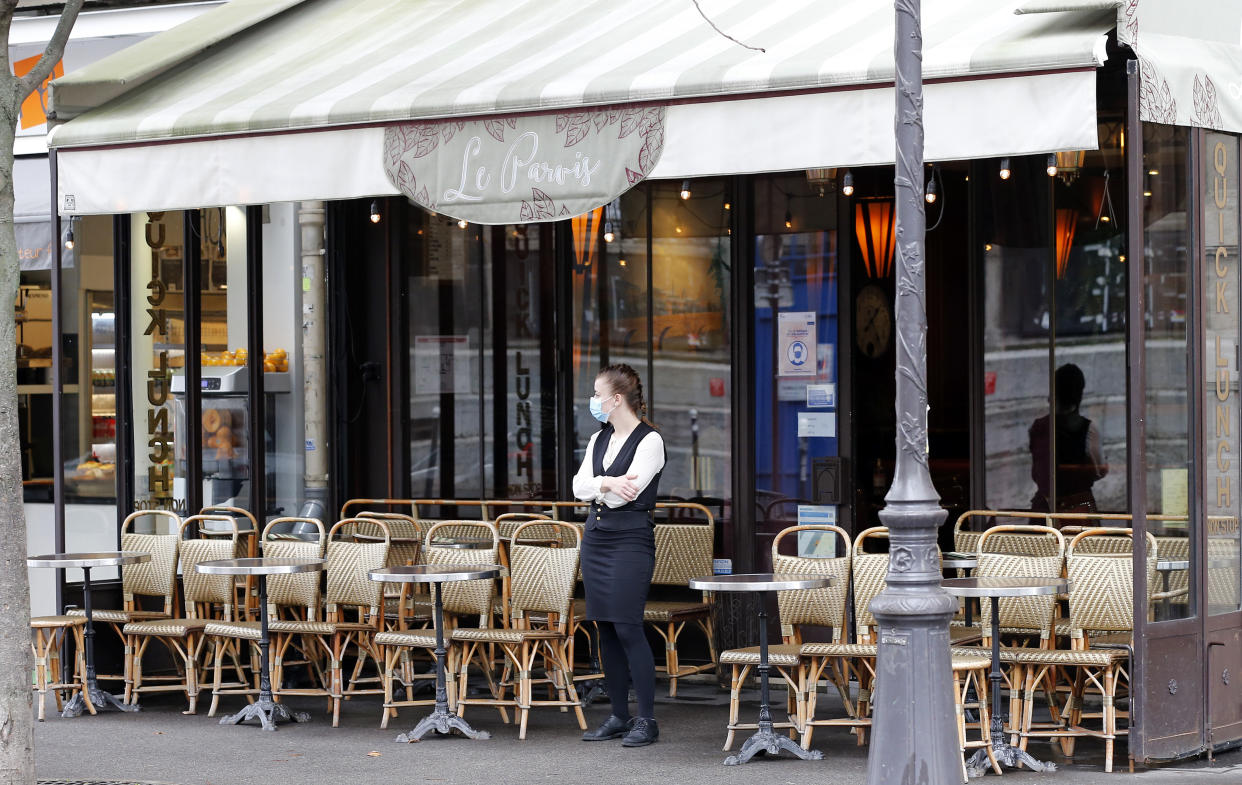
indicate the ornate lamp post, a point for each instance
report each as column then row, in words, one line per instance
column 914, row 738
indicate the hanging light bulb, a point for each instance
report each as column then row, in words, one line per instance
column 1005, row 171
column 847, row 183
column 677, row 228
column 69, row 237
column 685, row 189
column 608, row 235
column 375, row 213
column 462, row 224
column 788, row 219
column 1052, row 164
column 728, row 206
column 930, row 194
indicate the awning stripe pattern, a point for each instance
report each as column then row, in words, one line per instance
column 291, row 65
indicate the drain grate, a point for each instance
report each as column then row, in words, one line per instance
column 97, row 782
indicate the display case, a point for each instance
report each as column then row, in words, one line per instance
column 90, row 471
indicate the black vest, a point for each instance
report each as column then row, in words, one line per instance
column 632, row 515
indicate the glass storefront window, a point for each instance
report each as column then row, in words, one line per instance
column 1166, row 274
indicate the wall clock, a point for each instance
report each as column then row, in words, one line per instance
column 873, row 321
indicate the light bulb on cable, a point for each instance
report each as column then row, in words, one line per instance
column 847, row 183
column 69, row 238
column 788, row 220
column 375, row 213
column 1052, row 165
column 462, row 224
column 685, row 189
column 930, row 194
column 1005, row 171
column 608, row 235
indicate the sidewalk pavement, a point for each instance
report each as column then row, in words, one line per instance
column 160, row 745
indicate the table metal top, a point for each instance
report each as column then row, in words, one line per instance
column 468, row 543
column 93, row 559
column 761, row 581
column 436, row 573
column 1173, row 564
column 1004, row 587
column 964, row 561
column 260, row 566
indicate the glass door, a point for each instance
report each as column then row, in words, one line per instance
column 797, row 479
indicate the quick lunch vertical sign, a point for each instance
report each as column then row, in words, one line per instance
column 1221, row 354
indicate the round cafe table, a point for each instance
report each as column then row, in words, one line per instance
column 441, row 720
column 266, row 710
column 765, row 739
column 92, row 696
column 994, row 588
column 955, row 560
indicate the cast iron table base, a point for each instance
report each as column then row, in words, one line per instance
column 766, row 739
column 1005, row 753
column 441, row 720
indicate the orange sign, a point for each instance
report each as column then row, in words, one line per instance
column 34, row 108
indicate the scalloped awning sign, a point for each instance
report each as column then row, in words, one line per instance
column 505, row 170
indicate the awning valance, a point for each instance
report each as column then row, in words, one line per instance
column 294, row 81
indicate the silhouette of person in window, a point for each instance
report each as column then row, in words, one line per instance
column 1079, row 459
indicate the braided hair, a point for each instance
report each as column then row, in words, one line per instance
column 623, row 379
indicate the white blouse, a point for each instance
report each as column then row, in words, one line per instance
column 647, row 463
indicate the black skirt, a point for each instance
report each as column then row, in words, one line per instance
column 616, row 573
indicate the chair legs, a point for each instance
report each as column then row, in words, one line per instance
column 48, row 670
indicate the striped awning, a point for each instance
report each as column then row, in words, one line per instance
column 278, row 72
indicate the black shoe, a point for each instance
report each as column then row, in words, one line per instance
column 644, row 731
column 613, row 728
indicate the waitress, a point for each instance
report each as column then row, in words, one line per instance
column 620, row 475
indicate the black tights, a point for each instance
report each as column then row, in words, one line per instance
column 627, row 659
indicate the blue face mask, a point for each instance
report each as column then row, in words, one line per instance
column 597, row 409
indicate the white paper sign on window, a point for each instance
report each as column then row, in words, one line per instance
column 506, row 170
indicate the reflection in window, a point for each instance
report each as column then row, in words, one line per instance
column 1165, row 279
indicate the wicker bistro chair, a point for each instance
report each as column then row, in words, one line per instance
column 542, row 581
column 473, row 599
column 1101, row 598
column 154, row 578
column 296, row 595
column 206, row 598
column 682, row 551
column 245, row 532
column 47, row 636
column 1021, row 550
column 798, row 609
column 507, row 523
column 348, row 587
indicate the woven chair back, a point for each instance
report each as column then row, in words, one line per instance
column 355, row 507
column 869, row 570
column 1101, row 596
column 300, row 590
column 405, row 546
column 198, row 587
column 157, row 577
column 1222, row 574
column 541, row 578
column 349, row 567
column 465, row 598
column 682, row 551
column 1045, row 560
column 508, row 522
column 965, row 540
column 818, row 607
column 247, row 541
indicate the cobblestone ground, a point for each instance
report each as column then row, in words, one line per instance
column 160, row 745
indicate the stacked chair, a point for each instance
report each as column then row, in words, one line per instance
column 289, row 597
column 542, row 579
column 473, row 600
column 206, row 598
column 156, row 578
column 1101, row 610
column 683, row 550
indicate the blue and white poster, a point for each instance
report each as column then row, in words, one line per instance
column 796, row 344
